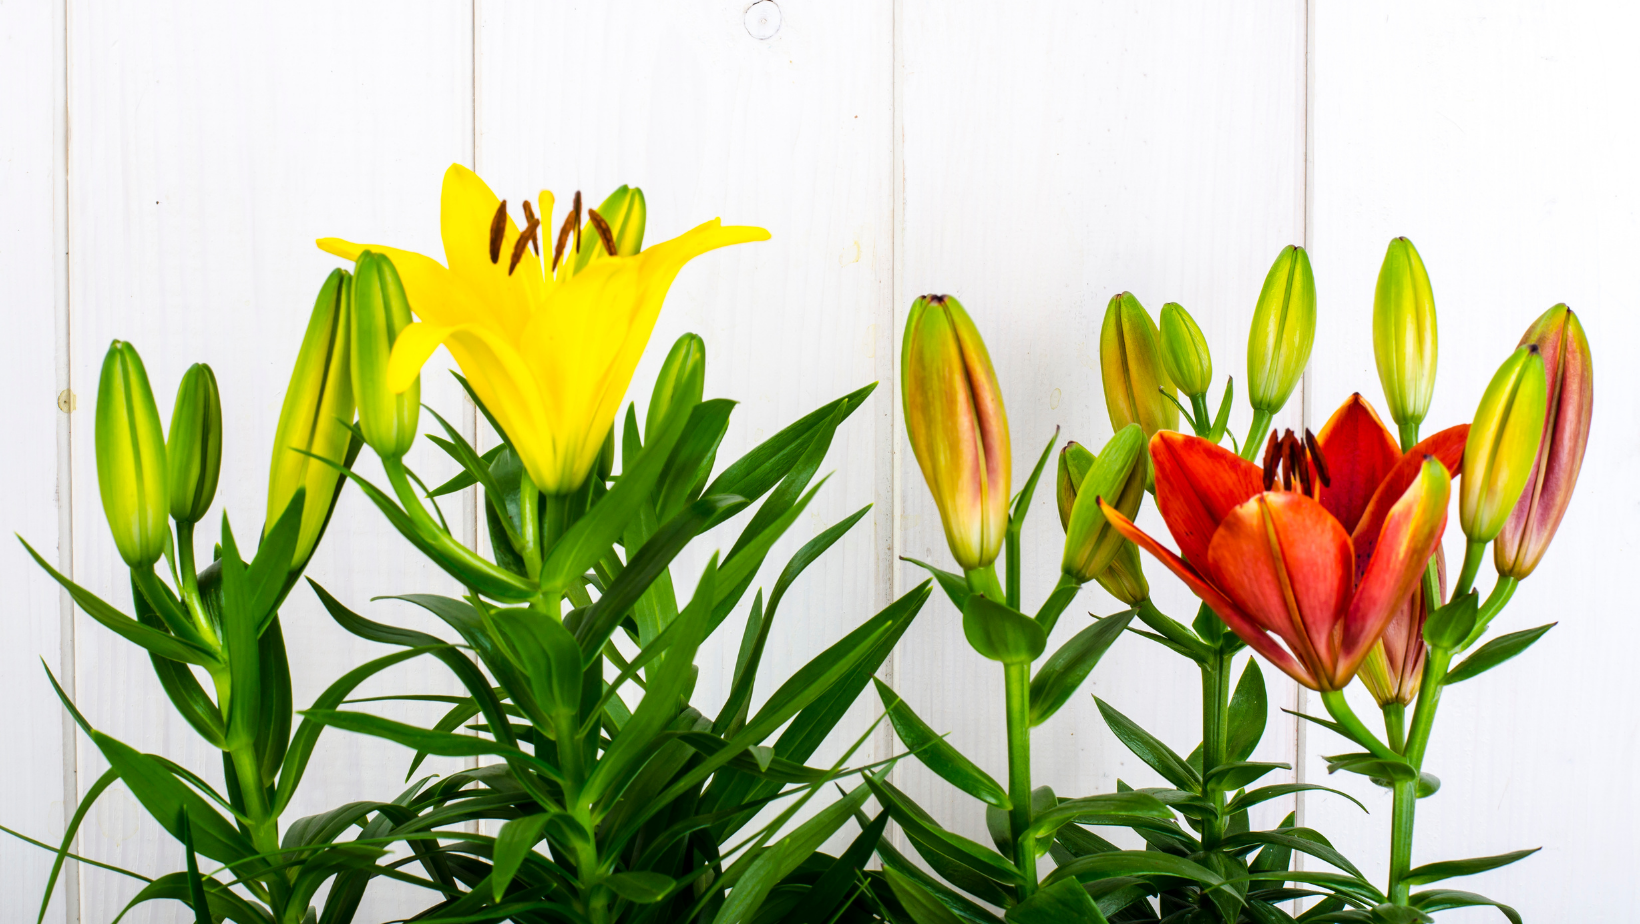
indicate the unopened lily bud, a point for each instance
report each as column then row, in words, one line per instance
column 316, row 417
column 957, row 427
column 380, row 310
column 1403, row 333
column 1184, row 351
column 194, row 447
column 1394, row 669
column 1118, row 476
column 1130, row 363
column 131, row 472
column 1074, row 463
column 1278, row 345
column 682, row 380
column 1124, row 577
column 1503, row 444
column 626, row 213
column 1569, row 371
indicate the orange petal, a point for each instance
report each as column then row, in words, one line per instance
column 1238, row 621
column 1359, row 452
column 1410, row 535
column 1286, row 561
column 1445, row 446
column 1197, row 485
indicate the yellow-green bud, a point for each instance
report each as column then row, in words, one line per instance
column 316, row 417
column 379, row 312
column 1124, row 577
column 626, row 213
column 1403, row 333
column 1283, row 331
column 1185, row 356
column 682, row 379
column 957, row 427
column 1075, row 461
column 1130, row 365
column 194, row 446
column 1118, row 475
column 1503, row 444
column 131, row 470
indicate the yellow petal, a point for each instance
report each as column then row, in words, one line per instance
column 436, row 295
column 467, row 207
column 412, row 349
column 507, row 385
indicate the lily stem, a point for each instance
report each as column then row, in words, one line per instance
column 1400, row 843
column 1409, row 435
column 1255, row 434
column 1063, row 593
column 1471, row 566
column 1017, row 680
column 1495, row 601
column 1215, row 735
column 984, row 581
column 1202, row 422
column 1395, row 725
column 1339, row 708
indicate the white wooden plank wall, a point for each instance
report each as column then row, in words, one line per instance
column 166, row 166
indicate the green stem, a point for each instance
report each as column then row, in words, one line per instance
column 529, row 529
column 188, row 578
column 1203, row 419
column 1400, row 843
column 1215, row 735
column 1339, row 708
column 1409, row 435
column 1063, row 593
column 1017, row 679
column 1495, row 601
column 260, row 821
column 1395, row 725
column 1471, row 566
column 1256, row 433
column 1429, row 700
column 984, row 581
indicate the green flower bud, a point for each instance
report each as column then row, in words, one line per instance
column 131, row 469
column 1118, row 475
column 957, row 427
column 379, row 312
column 625, row 213
column 682, row 379
column 1074, row 463
column 1130, row 364
column 1403, row 333
column 194, row 446
column 1124, row 577
column 1503, row 444
column 1278, row 345
column 316, row 418
column 1184, row 351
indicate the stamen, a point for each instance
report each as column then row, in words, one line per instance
column 563, row 238
column 523, row 241
column 1317, row 459
column 576, row 211
column 498, row 230
column 1289, row 452
column 529, row 216
column 607, row 236
column 1272, row 459
column 1301, row 464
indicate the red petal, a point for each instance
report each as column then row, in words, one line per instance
column 1446, row 446
column 1286, row 561
column 1238, row 621
column 1359, row 452
column 1411, row 532
column 1197, row 484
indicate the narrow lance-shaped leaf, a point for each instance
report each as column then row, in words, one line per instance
column 939, row 755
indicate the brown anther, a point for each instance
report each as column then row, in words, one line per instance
column 576, row 211
column 1289, row 458
column 1301, row 466
column 1272, row 460
column 498, row 231
column 529, row 216
column 604, row 234
column 1317, row 459
column 523, row 241
column 563, row 238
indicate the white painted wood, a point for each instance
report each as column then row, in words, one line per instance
column 790, row 133
column 31, row 182
column 1496, row 138
column 1051, row 162
column 211, row 145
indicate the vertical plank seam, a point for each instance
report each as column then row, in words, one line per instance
column 888, row 357
column 1306, row 202
column 66, row 645
column 470, row 499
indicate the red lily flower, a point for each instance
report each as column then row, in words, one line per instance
column 1321, row 558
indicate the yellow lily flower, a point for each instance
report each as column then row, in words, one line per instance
column 547, row 339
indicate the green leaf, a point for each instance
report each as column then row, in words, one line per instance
column 240, row 630
column 196, row 887
column 1175, row 634
column 841, row 879
column 1001, row 633
column 1303, row 840
column 223, row 903
column 1236, row 774
column 1448, row 869
column 1018, row 508
column 757, row 761
column 475, row 468
column 1151, row 750
column 269, row 576
column 1265, row 793
column 1372, row 766
column 952, row 900
column 425, row 739
column 179, row 683
column 692, row 457
column 953, row 847
column 464, row 479
column 757, row 471
column 86, row 801
column 923, row 907
column 1496, row 652
column 516, row 839
column 1342, row 883
column 1121, row 808
column 166, row 798
column 643, row 887
column 1132, row 863
column 939, row 755
column 1249, row 709
column 156, row 642
column 1066, row 669
column 784, row 857
column 954, row 585
column 550, row 658
column 1445, row 899
column 1064, row 902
